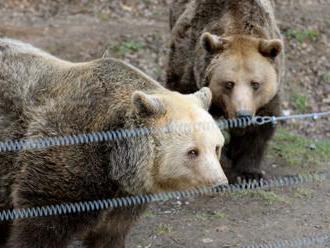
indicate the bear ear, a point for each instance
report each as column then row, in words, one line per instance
column 147, row 105
column 271, row 48
column 213, row 43
column 204, row 95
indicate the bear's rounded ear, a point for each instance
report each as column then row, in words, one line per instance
column 147, row 105
column 213, row 43
column 271, row 48
column 204, row 95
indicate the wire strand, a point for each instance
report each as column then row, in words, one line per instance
column 96, row 205
column 76, row 139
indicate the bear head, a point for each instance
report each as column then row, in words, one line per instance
column 187, row 155
column 241, row 73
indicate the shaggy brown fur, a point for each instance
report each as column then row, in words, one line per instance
column 41, row 95
column 233, row 47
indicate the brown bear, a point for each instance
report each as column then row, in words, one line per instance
column 41, row 95
column 233, row 47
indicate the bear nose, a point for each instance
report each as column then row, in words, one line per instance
column 244, row 114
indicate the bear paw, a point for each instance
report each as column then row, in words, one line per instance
column 246, row 175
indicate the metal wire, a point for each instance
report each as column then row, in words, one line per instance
column 90, row 206
column 314, row 116
column 76, row 139
column 303, row 242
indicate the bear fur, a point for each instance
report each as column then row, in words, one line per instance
column 43, row 96
column 235, row 48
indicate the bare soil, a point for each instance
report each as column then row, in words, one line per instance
column 137, row 31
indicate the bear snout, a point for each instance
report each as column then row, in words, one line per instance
column 244, row 114
column 223, row 181
column 216, row 176
column 220, row 183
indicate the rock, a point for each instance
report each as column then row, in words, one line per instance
column 207, row 241
column 312, row 147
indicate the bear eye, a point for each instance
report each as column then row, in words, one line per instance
column 217, row 150
column 255, row 85
column 193, row 153
column 229, row 85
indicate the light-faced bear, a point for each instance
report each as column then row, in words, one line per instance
column 235, row 48
column 43, row 96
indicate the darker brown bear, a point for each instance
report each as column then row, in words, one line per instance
column 235, row 48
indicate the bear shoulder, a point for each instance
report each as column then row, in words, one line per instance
column 11, row 47
column 123, row 70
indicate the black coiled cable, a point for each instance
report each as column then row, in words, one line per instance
column 96, row 205
column 76, row 139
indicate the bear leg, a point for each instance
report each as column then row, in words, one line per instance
column 104, row 239
column 113, row 228
column 246, row 152
column 4, row 232
column 50, row 232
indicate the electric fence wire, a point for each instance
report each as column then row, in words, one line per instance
column 76, row 139
column 97, row 205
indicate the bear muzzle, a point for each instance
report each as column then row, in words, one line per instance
column 221, row 183
column 217, row 177
column 244, row 114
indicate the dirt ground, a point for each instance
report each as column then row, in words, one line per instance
column 137, row 31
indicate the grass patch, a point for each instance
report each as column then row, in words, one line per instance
column 201, row 217
column 163, row 229
column 269, row 197
column 326, row 77
column 147, row 2
column 302, row 35
column 303, row 193
column 297, row 150
column 103, row 16
column 148, row 214
column 218, row 215
column 210, row 216
column 127, row 47
column 299, row 102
